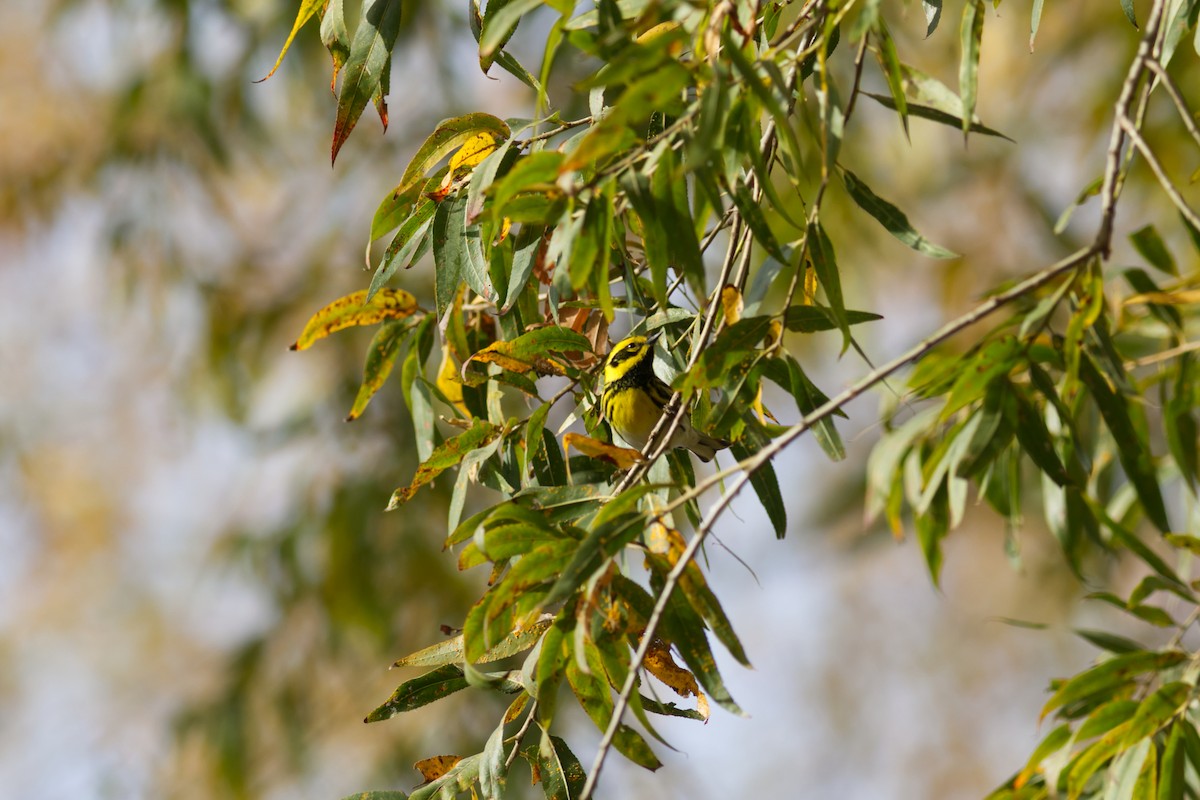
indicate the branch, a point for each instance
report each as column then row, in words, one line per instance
column 1156, row 168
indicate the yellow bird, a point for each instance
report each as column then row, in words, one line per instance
column 634, row 398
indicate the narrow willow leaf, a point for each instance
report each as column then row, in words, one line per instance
column 457, row 255
column 753, row 216
column 695, row 588
column 1127, row 7
column 407, row 246
column 594, row 696
column 936, row 115
column 558, row 770
column 530, row 172
column 369, row 54
column 891, row 218
column 1110, row 641
column 493, row 774
column 1035, row 20
column 539, row 350
column 1117, row 670
column 825, row 263
column 448, row 136
column 1152, row 248
column 933, row 15
column 335, row 37
column 354, row 310
column 447, row 455
column 889, row 63
column 814, row 318
column 499, row 22
column 1171, row 783
column 1133, row 449
column 307, row 9
column 429, row 688
column 381, row 357
column 1054, row 741
column 1157, row 710
column 970, row 35
column 383, row 795
column 461, row 778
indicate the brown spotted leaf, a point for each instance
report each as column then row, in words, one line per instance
column 448, row 454
column 435, row 767
column 661, row 665
column 532, row 351
column 353, row 310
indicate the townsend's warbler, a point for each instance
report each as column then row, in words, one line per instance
column 634, row 398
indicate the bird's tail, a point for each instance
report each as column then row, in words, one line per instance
column 705, row 447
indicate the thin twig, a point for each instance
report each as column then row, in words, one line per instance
column 1165, row 355
column 1159, row 173
column 521, row 734
column 1185, row 114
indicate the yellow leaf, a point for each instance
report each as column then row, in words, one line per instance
column 1181, row 298
column 449, row 382
column 474, row 150
column 350, row 311
column 435, row 767
column 810, row 284
column 307, row 9
column 623, row 457
column 731, row 300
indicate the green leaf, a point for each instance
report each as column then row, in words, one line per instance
column 971, row 35
column 429, row 688
column 1035, row 21
column 381, row 357
column 493, row 774
column 1132, row 448
column 1035, row 438
column 934, row 114
column 457, row 255
column 557, row 768
column 1152, row 248
column 812, row 319
column 991, row 363
column 538, row 350
column 1157, row 710
column 825, row 264
column 369, row 55
column 891, row 218
column 1127, row 7
column 889, row 64
column 384, row 795
column 1109, row 641
column 409, row 244
column 593, row 695
column 1110, row 674
column 536, row 170
column 753, row 216
column 459, row 779
column 447, row 455
column 452, row 651
column 1054, row 741
column 808, row 399
column 1171, row 783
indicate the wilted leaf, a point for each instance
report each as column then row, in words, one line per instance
column 622, row 457
column 435, row 767
column 661, row 665
column 353, row 310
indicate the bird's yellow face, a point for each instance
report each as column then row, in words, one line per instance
column 625, row 355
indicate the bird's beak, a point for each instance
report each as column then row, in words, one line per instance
column 652, row 338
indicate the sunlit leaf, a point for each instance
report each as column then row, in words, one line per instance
column 450, row 135
column 1109, row 674
column 555, row 767
column 307, row 9
column 622, row 457
column 540, row 350
column 354, row 310
column 435, row 767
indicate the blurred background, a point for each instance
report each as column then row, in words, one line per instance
column 200, row 593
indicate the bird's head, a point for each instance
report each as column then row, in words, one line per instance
column 626, row 354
